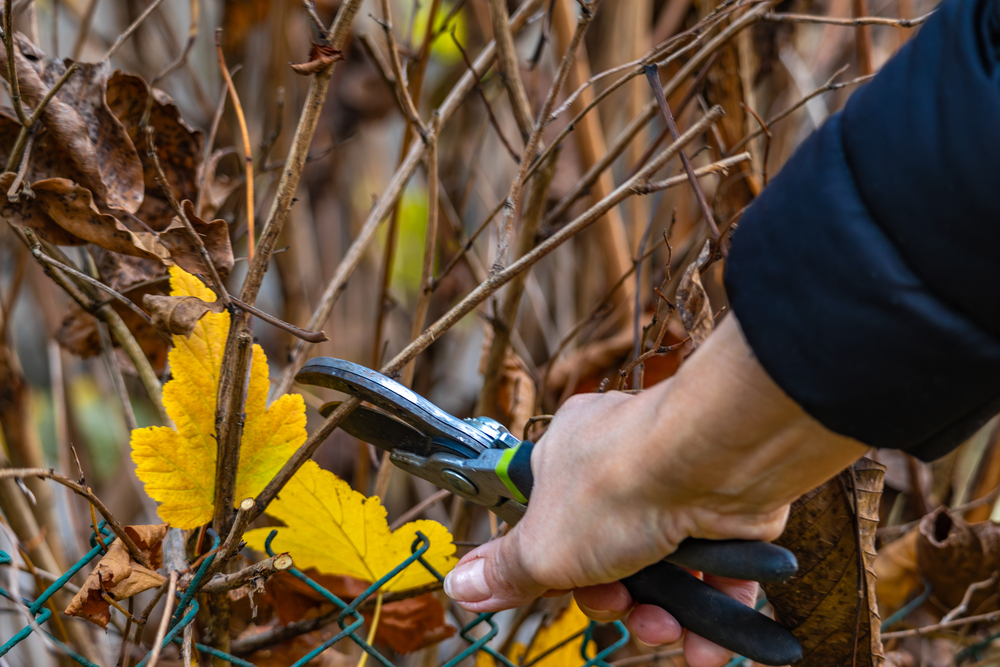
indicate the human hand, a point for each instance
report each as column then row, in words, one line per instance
column 717, row 452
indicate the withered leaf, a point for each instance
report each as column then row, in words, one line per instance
column 118, row 576
column 321, row 56
column 71, row 206
column 291, row 651
column 899, row 578
column 405, row 625
column 183, row 251
column 179, row 314
column 953, row 555
column 81, row 122
column 692, row 300
column 28, row 213
column 178, row 146
column 820, row 603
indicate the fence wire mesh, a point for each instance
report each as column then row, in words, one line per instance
column 349, row 620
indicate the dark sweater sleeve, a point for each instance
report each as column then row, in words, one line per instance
column 866, row 276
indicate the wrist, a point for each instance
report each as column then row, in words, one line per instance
column 728, row 449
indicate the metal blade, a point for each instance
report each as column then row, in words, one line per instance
column 382, row 430
column 449, row 432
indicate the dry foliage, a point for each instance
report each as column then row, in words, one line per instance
column 160, row 236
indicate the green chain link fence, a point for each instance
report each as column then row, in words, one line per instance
column 349, row 620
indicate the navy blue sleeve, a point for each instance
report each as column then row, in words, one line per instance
column 866, row 276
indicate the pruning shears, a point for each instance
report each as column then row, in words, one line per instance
column 480, row 460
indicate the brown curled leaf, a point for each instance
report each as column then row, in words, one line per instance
column 820, row 603
column 321, row 56
column 405, row 625
column 81, row 123
column 953, row 555
column 179, row 147
column 118, row 576
column 28, row 213
column 693, row 305
column 178, row 314
column 72, row 207
column 184, row 252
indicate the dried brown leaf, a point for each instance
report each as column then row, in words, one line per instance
column 293, row 650
column 953, row 555
column 898, row 575
column 118, row 576
column 28, row 213
column 693, row 305
column 178, row 146
column 516, row 389
column 321, row 56
column 820, row 603
column 404, row 625
column 214, row 235
column 179, row 314
column 81, row 123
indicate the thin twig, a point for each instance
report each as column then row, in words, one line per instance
column 514, row 194
column 217, row 285
column 653, row 76
column 402, row 91
column 209, row 142
column 855, row 22
column 161, row 632
column 767, row 140
column 15, row 88
column 245, row 134
column 39, row 254
column 320, row 28
column 128, row 33
column 115, row 371
column 928, row 629
column 489, row 107
column 84, row 29
column 13, row 193
column 308, row 336
column 509, row 70
column 963, row 606
column 825, row 88
column 194, row 13
column 86, row 492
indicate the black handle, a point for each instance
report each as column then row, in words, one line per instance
column 714, row 615
column 697, row 606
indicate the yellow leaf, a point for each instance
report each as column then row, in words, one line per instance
column 336, row 530
column 569, row 624
column 177, row 465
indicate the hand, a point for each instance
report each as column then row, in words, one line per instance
column 717, row 452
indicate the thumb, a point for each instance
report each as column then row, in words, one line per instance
column 493, row 577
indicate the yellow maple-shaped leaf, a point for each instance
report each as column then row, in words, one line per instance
column 335, row 529
column 564, row 632
column 177, row 465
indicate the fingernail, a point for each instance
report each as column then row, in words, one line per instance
column 601, row 616
column 467, row 582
